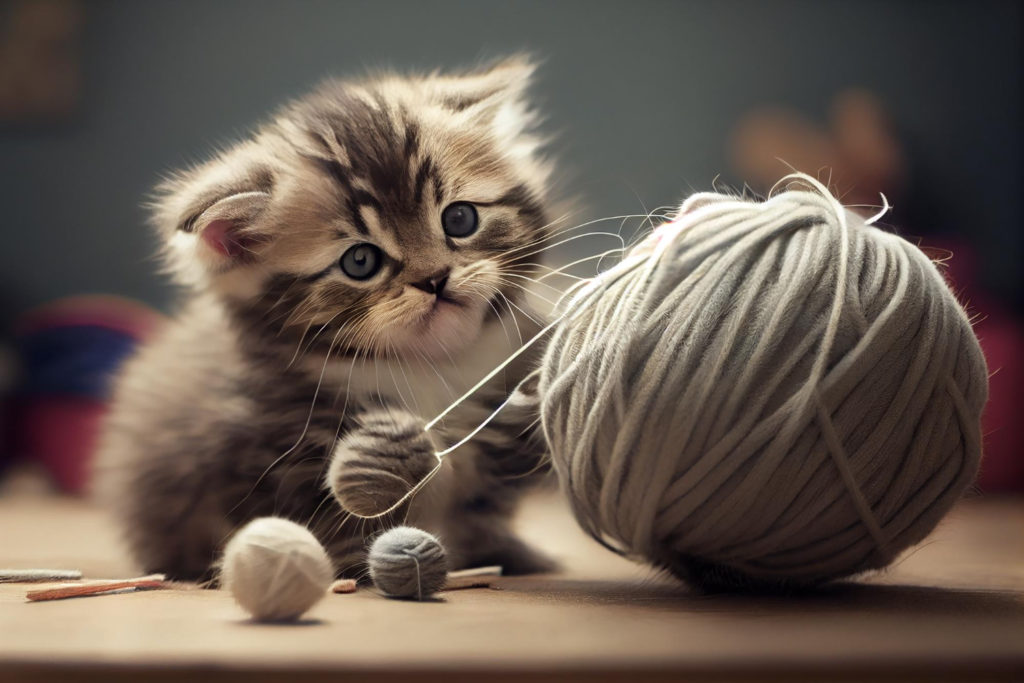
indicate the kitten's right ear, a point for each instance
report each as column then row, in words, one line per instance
column 494, row 97
column 210, row 217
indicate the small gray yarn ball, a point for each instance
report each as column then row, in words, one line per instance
column 406, row 562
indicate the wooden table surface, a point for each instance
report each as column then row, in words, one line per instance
column 951, row 609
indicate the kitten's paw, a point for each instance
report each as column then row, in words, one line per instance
column 513, row 555
column 376, row 464
column 519, row 558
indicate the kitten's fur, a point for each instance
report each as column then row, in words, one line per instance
column 283, row 386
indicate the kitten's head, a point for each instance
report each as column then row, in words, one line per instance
column 388, row 215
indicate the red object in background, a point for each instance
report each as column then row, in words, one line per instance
column 1002, row 339
column 68, row 355
column 1001, row 335
column 60, row 432
column 864, row 156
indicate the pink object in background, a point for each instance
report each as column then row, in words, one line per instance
column 1001, row 334
column 60, row 432
column 68, row 353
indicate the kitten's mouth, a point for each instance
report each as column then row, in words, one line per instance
column 443, row 305
column 443, row 326
column 445, row 300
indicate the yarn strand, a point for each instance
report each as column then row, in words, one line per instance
column 776, row 388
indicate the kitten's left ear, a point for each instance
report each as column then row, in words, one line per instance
column 226, row 228
column 212, row 217
column 493, row 97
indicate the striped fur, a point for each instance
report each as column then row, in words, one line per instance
column 284, row 386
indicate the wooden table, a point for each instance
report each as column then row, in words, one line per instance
column 951, row 609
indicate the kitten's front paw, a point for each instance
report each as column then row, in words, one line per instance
column 513, row 556
column 380, row 461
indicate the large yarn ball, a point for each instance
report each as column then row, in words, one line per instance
column 276, row 569
column 764, row 394
column 406, row 562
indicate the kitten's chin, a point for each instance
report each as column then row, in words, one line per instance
column 442, row 331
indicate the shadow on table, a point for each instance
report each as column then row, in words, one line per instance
column 660, row 594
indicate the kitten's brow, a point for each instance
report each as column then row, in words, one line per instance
column 521, row 198
column 355, row 197
column 426, row 169
column 412, row 140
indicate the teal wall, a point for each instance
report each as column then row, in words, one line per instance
column 642, row 94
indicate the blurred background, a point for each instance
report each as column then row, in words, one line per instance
column 650, row 100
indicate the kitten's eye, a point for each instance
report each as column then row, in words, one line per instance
column 361, row 261
column 459, row 219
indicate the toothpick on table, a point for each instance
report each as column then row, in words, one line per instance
column 476, row 577
column 102, row 587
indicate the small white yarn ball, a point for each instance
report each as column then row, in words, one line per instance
column 276, row 569
column 406, row 562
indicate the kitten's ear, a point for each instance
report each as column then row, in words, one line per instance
column 210, row 218
column 227, row 229
column 494, row 96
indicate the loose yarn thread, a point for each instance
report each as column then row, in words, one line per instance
column 778, row 387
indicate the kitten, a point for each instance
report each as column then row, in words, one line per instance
column 348, row 272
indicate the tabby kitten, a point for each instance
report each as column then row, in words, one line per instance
column 348, row 272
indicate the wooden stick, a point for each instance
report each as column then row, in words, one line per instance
column 93, row 588
column 462, row 583
column 491, row 570
column 475, row 577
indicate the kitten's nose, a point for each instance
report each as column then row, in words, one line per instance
column 434, row 284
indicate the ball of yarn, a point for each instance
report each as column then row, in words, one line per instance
column 406, row 562
column 764, row 394
column 276, row 569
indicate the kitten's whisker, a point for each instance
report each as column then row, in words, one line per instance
column 519, row 257
column 492, row 290
column 512, row 314
column 437, row 372
column 516, row 285
column 298, row 347
column 499, row 316
column 361, row 309
column 550, row 234
column 282, row 297
column 401, row 369
column 302, row 435
column 645, row 219
column 553, row 271
column 536, row 281
column 512, row 305
column 572, row 264
column 595, row 221
column 344, row 409
column 328, row 497
column 457, row 368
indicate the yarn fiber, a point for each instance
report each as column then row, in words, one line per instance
column 276, row 569
column 775, row 389
column 406, row 562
